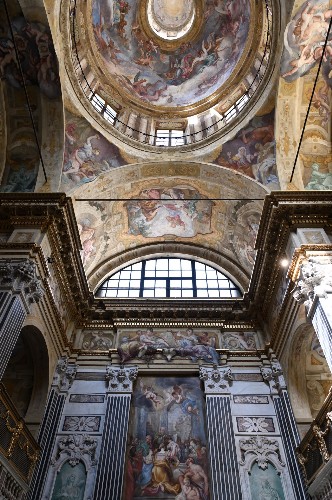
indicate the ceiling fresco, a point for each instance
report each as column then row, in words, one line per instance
column 87, row 154
column 252, row 152
column 179, row 211
column 304, row 41
column 184, row 76
column 181, row 203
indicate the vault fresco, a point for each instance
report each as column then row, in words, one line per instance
column 190, row 344
column 179, row 210
column 304, row 40
column 252, row 152
column 36, row 53
column 185, row 76
column 87, row 154
column 166, row 452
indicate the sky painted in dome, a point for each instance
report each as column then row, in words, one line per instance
column 183, row 77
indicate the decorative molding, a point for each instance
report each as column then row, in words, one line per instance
column 251, row 400
column 217, row 379
column 262, row 449
column 75, row 448
column 20, row 276
column 120, row 380
column 247, row 377
column 255, row 424
column 64, row 374
column 86, row 398
column 82, row 423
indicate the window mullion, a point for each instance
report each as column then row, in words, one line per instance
column 193, row 272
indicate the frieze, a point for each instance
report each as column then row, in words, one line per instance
column 255, row 424
column 147, row 344
column 74, row 448
column 121, row 379
column 82, row 423
column 217, row 379
column 251, row 399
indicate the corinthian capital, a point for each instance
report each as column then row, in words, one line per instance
column 216, row 379
column 121, row 379
column 316, row 279
column 64, row 374
column 20, row 276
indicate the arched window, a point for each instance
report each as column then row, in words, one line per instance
column 170, row 278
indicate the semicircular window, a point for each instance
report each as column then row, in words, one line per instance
column 170, row 278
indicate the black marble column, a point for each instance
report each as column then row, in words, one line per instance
column 19, row 287
column 273, row 375
column 63, row 378
column 225, row 479
column 110, row 472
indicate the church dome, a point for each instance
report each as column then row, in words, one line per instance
column 163, row 64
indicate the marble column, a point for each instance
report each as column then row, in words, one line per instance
column 225, row 479
column 273, row 375
column 19, row 288
column 63, row 378
column 110, row 472
column 315, row 290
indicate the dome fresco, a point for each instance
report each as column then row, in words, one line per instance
column 166, row 75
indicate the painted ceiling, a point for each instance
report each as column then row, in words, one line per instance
column 137, row 62
column 201, row 205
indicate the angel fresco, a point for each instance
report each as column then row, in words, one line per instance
column 166, row 453
column 146, row 343
column 87, row 154
column 37, row 56
column 139, row 65
column 177, row 211
column 304, row 40
column 252, row 151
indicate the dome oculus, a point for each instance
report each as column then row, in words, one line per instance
column 171, row 19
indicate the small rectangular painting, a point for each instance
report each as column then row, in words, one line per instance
column 166, row 449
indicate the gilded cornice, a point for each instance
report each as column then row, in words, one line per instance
column 282, row 213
